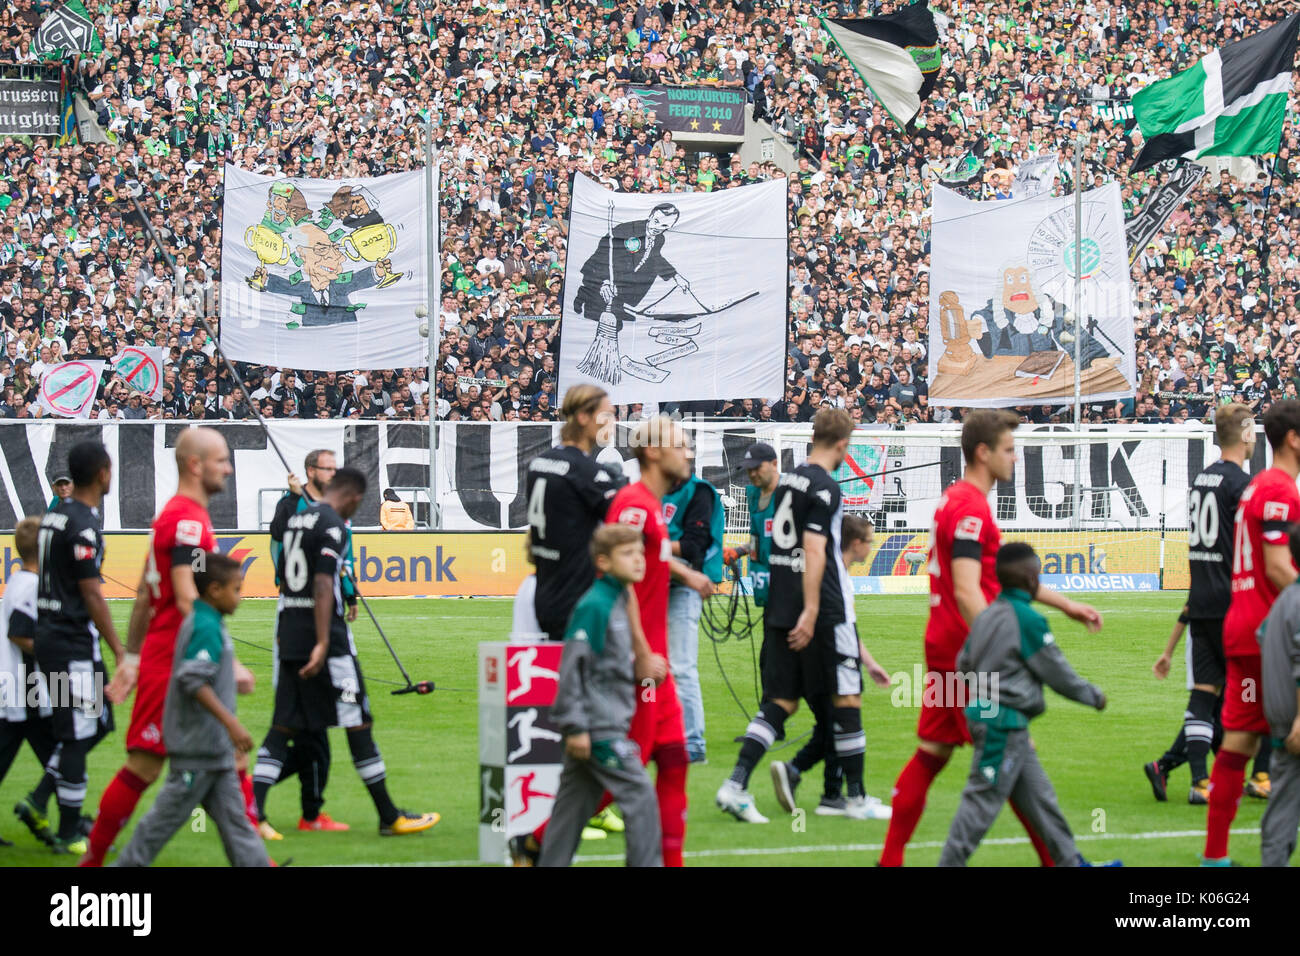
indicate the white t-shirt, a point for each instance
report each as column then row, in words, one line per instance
column 20, row 595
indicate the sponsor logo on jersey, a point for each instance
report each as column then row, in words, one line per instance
column 89, row 534
column 968, row 528
column 825, row 495
column 1276, row 510
column 670, row 509
column 189, row 532
column 634, row 517
column 81, row 552
column 151, row 733
column 335, row 533
column 767, row 527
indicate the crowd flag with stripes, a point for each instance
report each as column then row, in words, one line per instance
column 1231, row 103
column 897, row 56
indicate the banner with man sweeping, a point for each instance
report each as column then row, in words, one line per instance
column 676, row 296
column 1002, row 296
column 323, row 274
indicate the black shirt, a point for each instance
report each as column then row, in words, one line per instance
column 71, row 549
column 568, row 495
column 1211, row 516
column 807, row 499
column 315, row 541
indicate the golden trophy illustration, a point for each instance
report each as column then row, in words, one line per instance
column 373, row 243
column 958, row 357
column 268, row 244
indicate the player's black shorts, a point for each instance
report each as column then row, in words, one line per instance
column 1205, row 661
column 830, row 664
column 334, row 697
column 80, row 711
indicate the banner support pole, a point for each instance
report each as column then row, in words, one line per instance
column 434, row 306
column 1078, row 323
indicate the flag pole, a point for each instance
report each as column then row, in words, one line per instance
column 434, row 294
column 1078, row 321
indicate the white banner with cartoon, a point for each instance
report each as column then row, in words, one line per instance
column 1002, row 285
column 676, row 296
column 324, row 274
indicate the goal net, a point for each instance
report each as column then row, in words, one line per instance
column 1105, row 509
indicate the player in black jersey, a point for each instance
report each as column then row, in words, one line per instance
column 71, row 619
column 810, row 645
column 1211, row 512
column 320, row 682
column 568, row 495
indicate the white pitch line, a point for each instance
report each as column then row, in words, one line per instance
column 847, row 847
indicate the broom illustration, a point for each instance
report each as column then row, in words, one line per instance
column 602, row 360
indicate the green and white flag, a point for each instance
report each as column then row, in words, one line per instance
column 1231, row 103
column 67, row 30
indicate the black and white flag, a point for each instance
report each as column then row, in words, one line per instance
column 897, row 56
column 675, row 297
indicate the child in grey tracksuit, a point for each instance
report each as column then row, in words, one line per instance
column 201, row 730
column 1012, row 654
column 1279, row 649
column 593, row 708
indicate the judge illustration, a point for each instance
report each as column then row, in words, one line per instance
column 1023, row 321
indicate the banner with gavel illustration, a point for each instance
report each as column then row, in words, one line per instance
column 958, row 357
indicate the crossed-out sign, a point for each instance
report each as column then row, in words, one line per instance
column 140, row 370
column 69, row 389
column 862, row 460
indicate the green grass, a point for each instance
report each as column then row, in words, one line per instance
column 430, row 748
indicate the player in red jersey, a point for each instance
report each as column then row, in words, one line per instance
column 964, row 541
column 182, row 531
column 1261, row 567
column 657, row 728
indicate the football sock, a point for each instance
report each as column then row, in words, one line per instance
column 40, row 795
column 1263, row 756
column 908, row 802
column 670, row 788
column 309, row 757
column 270, row 762
column 250, row 804
column 767, row 725
column 1198, row 725
column 850, row 746
column 1176, row 755
column 1044, row 857
column 370, row 766
column 71, row 788
column 115, row 808
column 1226, row 779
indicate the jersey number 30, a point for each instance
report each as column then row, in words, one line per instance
column 1202, row 520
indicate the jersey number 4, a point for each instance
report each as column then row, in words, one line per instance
column 537, row 509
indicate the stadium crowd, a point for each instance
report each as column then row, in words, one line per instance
column 525, row 94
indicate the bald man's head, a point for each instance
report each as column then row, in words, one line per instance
column 203, row 458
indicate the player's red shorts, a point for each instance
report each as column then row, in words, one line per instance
column 145, row 732
column 657, row 726
column 943, row 708
column 1243, row 700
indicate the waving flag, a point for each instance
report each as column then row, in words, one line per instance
column 896, row 55
column 1231, row 103
column 67, row 30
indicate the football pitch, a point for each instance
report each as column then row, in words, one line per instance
column 430, row 746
